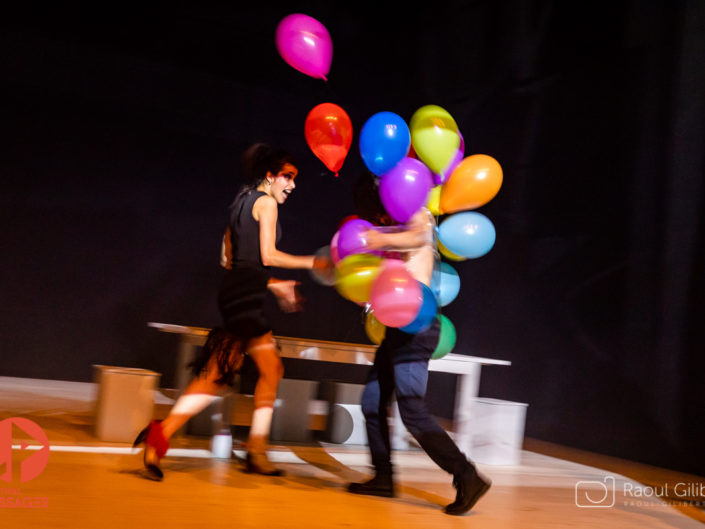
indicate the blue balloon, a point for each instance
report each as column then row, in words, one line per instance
column 427, row 313
column 449, row 284
column 468, row 234
column 384, row 140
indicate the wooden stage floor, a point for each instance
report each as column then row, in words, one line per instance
column 94, row 484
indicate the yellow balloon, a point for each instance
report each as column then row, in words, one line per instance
column 355, row 274
column 375, row 329
column 434, row 136
column 450, row 255
column 434, row 201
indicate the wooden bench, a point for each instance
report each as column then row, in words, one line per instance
column 468, row 369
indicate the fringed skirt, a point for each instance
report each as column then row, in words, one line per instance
column 241, row 300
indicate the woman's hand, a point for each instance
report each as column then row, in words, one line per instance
column 286, row 293
column 323, row 270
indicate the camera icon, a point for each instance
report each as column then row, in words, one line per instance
column 595, row 494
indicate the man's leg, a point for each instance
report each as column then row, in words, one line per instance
column 375, row 403
column 411, row 381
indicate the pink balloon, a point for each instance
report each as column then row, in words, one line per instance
column 395, row 296
column 305, row 44
column 441, row 178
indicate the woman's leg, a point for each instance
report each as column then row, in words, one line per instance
column 265, row 354
column 199, row 394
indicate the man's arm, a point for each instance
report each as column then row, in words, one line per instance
column 416, row 233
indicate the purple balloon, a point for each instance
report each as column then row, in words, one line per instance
column 305, row 44
column 404, row 189
column 351, row 237
column 443, row 177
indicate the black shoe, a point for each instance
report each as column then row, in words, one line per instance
column 259, row 464
column 381, row 485
column 471, row 486
column 151, row 466
column 153, row 471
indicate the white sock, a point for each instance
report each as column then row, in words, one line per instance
column 192, row 403
column 261, row 421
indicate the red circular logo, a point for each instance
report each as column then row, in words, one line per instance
column 33, row 465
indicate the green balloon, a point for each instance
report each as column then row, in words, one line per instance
column 446, row 339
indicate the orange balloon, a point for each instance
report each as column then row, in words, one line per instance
column 329, row 134
column 474, row 182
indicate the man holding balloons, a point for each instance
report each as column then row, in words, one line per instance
column 401, row 361
column 397, row 291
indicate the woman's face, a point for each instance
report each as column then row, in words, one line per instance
column 282, row 183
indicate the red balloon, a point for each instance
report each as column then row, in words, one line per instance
column 349, row 217
column 412, row 152
column 329, row 134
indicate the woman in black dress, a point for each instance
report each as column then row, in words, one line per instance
column 249, row 250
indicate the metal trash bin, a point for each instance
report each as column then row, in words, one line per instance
column 498, row 431
column 125, row 401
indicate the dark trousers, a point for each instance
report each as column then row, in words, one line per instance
column 401, row 367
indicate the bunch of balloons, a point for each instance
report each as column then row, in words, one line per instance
column 440, row 178
column 422, row 164
column 382, row 284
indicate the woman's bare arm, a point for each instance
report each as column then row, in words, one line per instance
column 265, row 212
column 226, row 250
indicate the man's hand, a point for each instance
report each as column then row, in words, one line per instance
column 374, row 240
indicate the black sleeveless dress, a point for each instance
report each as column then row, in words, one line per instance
column 243, row 291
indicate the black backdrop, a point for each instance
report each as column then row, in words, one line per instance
column 122, row 130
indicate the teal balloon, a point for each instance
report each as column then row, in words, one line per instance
column 384, row 141
column 426, row 315
column 449, row 284
column 446, row 338
column 468, row 234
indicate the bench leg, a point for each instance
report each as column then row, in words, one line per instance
column 466, row 393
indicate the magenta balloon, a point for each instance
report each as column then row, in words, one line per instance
column 305, row 44
column 443, row 177
column 404, row 188
column 351, row 239
column 395, row 296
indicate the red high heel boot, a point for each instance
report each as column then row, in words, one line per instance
column 153, row 437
